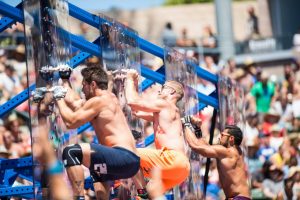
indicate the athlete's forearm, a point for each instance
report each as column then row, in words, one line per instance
column 144, row 115
column 199, row 145
column 65, row 111
column 192, row 140
column 130, row 91
column 72, row 99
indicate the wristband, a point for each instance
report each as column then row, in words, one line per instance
column 55, row 168
column 198, row 132
column 160, row 198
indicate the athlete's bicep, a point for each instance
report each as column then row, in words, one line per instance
column 84, row 114
column 147, row 105
column 215, row 151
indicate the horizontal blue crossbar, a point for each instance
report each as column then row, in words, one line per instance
column 16, row 191
column 95, row 50
column 6, row 22
column 15, row 163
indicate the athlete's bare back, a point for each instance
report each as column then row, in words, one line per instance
column 232, row 174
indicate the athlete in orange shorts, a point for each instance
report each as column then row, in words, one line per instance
column 169, row 154
column 174, row 165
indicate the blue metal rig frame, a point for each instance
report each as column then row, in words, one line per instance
column 12, row 168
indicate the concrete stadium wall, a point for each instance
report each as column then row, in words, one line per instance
column 150, row 22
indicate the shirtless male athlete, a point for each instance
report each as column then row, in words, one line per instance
column 115, row 155
column 230, row 160
column 169, row 155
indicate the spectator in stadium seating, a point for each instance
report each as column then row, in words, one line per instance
column 9, row 81
column 15, row 149
column 273, row 185
column 229, row 68
column 265, row 151
column 208, row 39
column 168, row 36
column 3, row 151
column 283, row 106
column 296, row 43
column 209, row 64
column 3, row 58
column 294, row 181
column 251, row 129
column 262, row 94
column 184, row 41
column 277, row 139
column 86, row 32
column 252, row 24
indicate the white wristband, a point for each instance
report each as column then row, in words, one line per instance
column 160, row 198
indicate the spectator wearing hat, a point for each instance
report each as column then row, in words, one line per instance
column 268, row 119
column 277, row 138
column 294, row 175
column 292, row 183
column 273, row 186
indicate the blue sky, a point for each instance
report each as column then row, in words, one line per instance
column 107, row 4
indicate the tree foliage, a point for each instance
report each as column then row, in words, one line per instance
column 175, row 2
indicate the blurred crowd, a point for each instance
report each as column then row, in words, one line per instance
column 271, row 133
column 272, row 116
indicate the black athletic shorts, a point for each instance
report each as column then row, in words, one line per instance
column 112, row 163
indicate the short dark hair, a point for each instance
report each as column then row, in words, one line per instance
column 169, row 25
column 236, row 132
column 95, row 73
column 9, row 67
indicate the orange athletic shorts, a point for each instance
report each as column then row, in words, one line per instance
column 174, row 165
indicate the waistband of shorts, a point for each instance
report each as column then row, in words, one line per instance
column 238, row 196
column 124, row 149
column 167, row 149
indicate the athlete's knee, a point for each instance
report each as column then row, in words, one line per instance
column 72, row 155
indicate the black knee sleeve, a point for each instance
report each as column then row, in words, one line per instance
column 72, row 155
